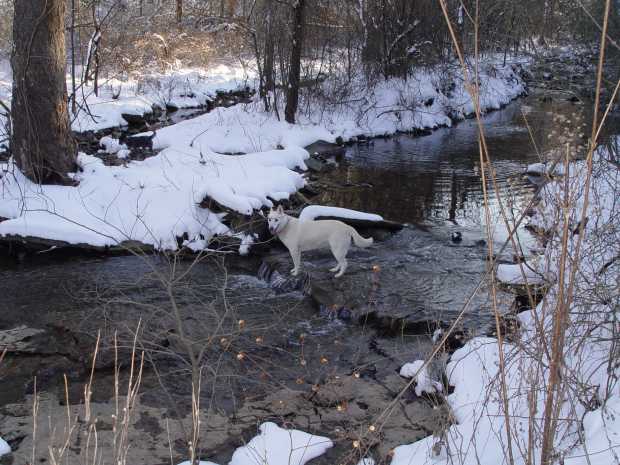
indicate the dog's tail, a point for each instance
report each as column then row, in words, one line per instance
column 360, row 241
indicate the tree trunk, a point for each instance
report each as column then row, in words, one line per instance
column 268, row 69
column 292, row 92
column 179, row 11
column 42, row 142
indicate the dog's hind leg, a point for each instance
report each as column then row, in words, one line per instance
column 343, row 268
column 336, row 268
column 339, row 248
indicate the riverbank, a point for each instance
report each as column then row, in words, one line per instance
column 587, row 423
column 157, row 202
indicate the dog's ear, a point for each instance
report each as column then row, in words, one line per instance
column 280, row 210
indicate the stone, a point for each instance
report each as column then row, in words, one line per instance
column 326, row 149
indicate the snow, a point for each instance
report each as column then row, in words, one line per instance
column 188, row 462
column 111, row 145
column 246, row 242
column 155, row 201
column 4, row 447
column 423, row 380
column 537, row 169
column 511, row 274
column 366, row 461
column 278, row 446
column 429, row 98
column 242, row 128
column 541, row 169
column 311, row 212
column 180, row 87
column 137, row 95
column 152, row 201
column 588, row 426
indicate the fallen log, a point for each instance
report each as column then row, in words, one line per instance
column 391, row 226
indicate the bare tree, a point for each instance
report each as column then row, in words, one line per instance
column 179, row 11
column 42, row 143
column 292, row 92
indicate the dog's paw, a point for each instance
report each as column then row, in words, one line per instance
column 294, row 272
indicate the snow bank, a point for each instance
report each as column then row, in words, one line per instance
column 241, row 128
column 152, row 201
column 430, row 98
column 541, row 169
column 179, row 88
column 137, row 95
column 314, row 211
column 278, row 446
column 423, row 380
column 4, row 447
column 588, row 426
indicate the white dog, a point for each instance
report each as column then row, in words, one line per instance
column 299, row 236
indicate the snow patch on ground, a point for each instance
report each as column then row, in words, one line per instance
column 4, row 447
column 278, row 446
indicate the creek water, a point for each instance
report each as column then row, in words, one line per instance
column 260, row 340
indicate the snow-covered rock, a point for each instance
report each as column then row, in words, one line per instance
column 511, row 274
column 4, row 447
column 278, row 446
column 423, row 380
column 111, row 145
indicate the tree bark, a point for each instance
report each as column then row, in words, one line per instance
column 179, row 12
column 292, row 92
column 268, row 68
column 42, row 143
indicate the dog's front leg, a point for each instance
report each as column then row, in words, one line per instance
column 296, row 256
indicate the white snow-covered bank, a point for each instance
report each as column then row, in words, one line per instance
column 428, row 99
column 588, row 416
column 138, row 95
column 155, row 201
column 152, row 201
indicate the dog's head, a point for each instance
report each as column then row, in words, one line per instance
column 276, row 220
